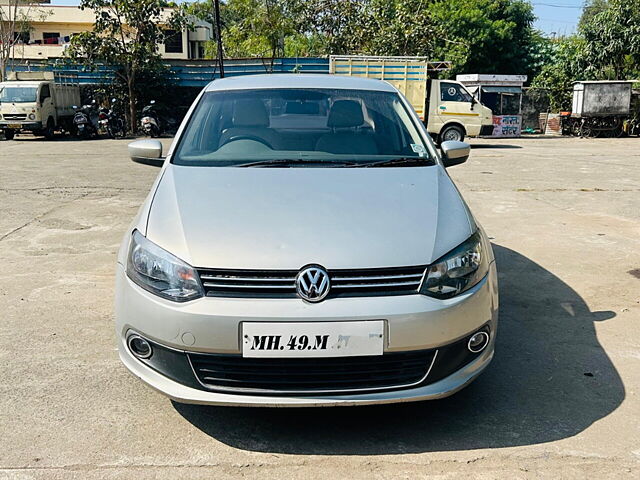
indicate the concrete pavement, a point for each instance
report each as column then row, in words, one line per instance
column 559, row 401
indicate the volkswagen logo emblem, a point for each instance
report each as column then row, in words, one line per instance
column 313, row 284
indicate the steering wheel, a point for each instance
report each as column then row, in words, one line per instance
column 235, row 138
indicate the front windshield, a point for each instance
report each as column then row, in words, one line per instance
column 18, row 94
column 319, row 127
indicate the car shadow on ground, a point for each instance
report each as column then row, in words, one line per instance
column 550, row 379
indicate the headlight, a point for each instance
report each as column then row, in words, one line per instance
column 32, row 116
column 457, row 271
column 161, row 273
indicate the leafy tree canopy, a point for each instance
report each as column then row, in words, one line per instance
column 126, row 35
column 489, row 36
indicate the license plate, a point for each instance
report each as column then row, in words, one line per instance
column 313, row 339
column 15, row 125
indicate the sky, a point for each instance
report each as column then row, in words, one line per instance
column 559, row 17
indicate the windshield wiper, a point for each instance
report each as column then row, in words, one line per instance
column 296, row 161
column 415, row 161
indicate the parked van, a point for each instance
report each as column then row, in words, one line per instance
column 447, row 109
column 38, row 102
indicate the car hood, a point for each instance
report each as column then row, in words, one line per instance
column 285, row 218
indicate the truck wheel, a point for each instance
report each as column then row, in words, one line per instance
column 9, row 134
column 50, row 131
column 452, row 133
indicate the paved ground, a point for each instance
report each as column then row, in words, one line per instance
column 561, row 399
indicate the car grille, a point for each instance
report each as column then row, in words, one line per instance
column 281, row 283
column 15, row 116
column 311, row 375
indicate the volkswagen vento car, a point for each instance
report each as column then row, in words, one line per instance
column 303, row 245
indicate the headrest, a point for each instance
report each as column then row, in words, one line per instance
column 250, row 112
column 344, row 114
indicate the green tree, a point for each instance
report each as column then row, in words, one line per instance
column 256, row 28
column 399, row 27
column 337, row 25
column 612, row 40
column 486, row 36
column 591, row 9
column 556, row 78
column 126, row 35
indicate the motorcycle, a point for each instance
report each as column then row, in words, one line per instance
column 154, row 124
column 150, row 120
column 109, row 122
column 85, row 121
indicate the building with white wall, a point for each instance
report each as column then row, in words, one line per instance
column 52, row 26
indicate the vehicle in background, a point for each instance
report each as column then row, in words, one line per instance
column 109, row 122
column 38, row 102
column 600, row 109
column 85, row 120
column 150, row 121
column 157, row 121
column 447, row 109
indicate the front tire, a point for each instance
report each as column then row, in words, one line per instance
column 452, row 133
column 9, row 134
column 49, row 132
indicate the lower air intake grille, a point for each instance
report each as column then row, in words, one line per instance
column 281, row 283
column 235, row 373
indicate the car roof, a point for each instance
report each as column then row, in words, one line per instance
column 306, row 80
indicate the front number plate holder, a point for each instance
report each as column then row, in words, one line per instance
column 312, row 339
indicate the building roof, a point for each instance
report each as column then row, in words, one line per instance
column 606, row 81
column 487, row 77
column 293, row 80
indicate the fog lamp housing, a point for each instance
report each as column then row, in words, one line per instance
column 479, row 341
column 139, row 347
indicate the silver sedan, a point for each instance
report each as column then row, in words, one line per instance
column 303, row 245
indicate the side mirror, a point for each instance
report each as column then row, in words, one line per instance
column 454, row 153
column 147, row 152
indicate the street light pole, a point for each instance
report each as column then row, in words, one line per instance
column 216, row 5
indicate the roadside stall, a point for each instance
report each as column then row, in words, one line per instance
column 503, row 95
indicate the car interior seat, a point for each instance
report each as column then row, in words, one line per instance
column 347, row 121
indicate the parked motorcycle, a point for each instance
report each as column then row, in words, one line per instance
column 85, row 121
column 109, row 122
column 150, row 120
column 155, row 124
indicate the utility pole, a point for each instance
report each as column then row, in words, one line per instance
column 216, row 5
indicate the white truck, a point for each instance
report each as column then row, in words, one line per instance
column 38, row 102
column 447, row 109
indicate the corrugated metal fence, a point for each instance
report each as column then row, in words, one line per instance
column 190, row 74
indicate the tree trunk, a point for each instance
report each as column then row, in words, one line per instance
column 133, row 122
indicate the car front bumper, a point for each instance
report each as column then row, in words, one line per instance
column 24, row 126
column 213, row 325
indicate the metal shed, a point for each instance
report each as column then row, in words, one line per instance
column 503, row 95
column 601, row 98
